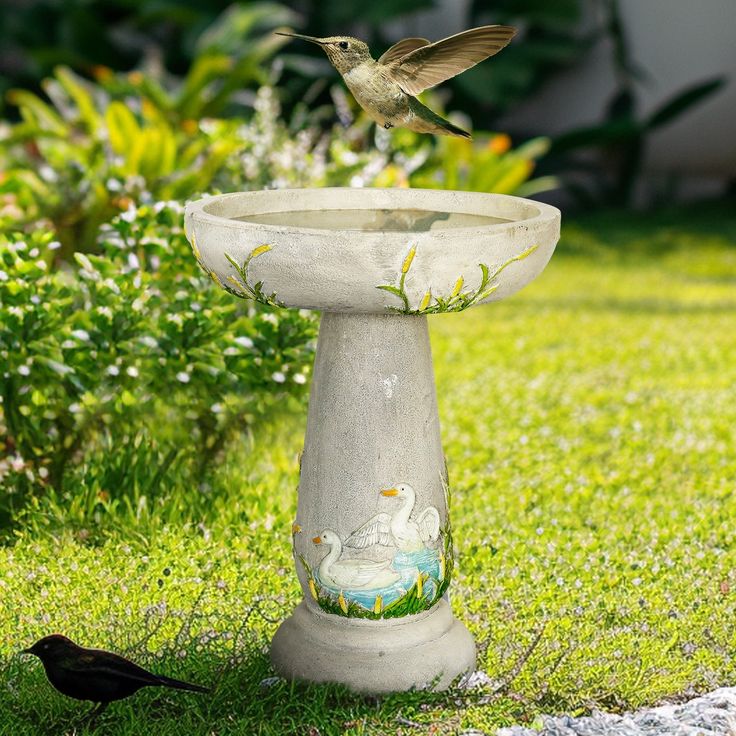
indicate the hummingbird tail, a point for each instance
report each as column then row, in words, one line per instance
column 428, row 121
column 449, row 129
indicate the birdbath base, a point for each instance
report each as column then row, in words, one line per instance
column 429, row 649
column 372, row 539
column 373, row 495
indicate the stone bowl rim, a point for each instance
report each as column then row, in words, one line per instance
column 541, row 213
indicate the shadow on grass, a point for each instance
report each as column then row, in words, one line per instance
column 246, row 698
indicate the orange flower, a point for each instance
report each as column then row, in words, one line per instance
column 500, row 143
column 102, row 73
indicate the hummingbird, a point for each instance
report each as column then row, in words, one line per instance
column 386, row 88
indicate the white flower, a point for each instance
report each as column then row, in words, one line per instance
column 81, row 335
column 300, row 378
column 170, row 204
column 278, row 376
column 24, row 370
column 132, row 371
column 216, row 408
column 244, row 342
column 3, row 276
column 183, row 376
column 130, row 214
column 113, row 370
column 54, row 245
column 149, row 341
column 17, row 463
column 47, row 173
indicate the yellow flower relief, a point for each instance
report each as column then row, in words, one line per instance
column 442, row 568
column 260, row 250
column 409, row 258
column 296, row 528
column 527, row 252
column 425, row 300
column 420, row 581
column 238, row 286
column 312, row 588
column 378, row 605
column 343, row 603
column 458, row 285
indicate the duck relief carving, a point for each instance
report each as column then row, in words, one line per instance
column 411, row 576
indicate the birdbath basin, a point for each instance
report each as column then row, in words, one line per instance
column 372, row 540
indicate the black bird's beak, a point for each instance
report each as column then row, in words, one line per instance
column 311, row 39
column 26, row 651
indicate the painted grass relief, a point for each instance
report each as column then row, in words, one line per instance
column 460, row 297
column 242, row 285
column 347, row 582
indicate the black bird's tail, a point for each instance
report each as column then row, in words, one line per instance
column 180, row 684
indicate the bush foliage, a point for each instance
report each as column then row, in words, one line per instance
column 131, row 348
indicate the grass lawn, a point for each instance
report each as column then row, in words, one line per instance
column 589, row 428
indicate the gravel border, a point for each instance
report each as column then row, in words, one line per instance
column 713, row 714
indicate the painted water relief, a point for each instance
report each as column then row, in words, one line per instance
column 411, row 580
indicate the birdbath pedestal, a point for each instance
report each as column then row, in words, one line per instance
column 372, row 540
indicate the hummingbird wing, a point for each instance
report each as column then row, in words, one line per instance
column 426, row 66
column 402, row 48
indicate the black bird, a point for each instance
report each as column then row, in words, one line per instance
column 94, row 674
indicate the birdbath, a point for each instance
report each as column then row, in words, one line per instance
column 372, row 540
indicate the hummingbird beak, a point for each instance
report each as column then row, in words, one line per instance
column 311, row 39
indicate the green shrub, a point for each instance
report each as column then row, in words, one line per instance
column 135, row 337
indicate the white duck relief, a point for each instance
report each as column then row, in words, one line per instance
column 351, row 574
column 398, row 529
